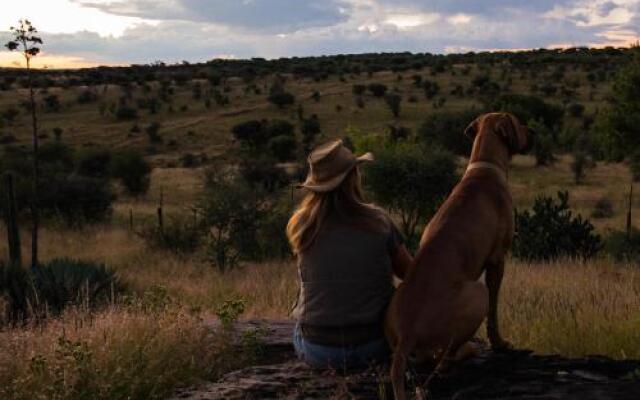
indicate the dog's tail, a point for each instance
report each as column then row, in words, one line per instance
column 398, row 369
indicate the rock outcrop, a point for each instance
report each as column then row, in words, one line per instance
column 513, row 374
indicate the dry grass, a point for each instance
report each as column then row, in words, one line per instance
column 119, row 353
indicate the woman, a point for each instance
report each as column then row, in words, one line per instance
column 347, row 252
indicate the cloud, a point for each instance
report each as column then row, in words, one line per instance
column 195, row 30
column 255, row 15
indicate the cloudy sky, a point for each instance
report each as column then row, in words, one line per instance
column 113, row 32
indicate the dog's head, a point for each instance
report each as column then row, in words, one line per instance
column 517, row 137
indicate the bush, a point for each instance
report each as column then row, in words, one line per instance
column 230, row 211
column 393, row 101
column 132, row 170
column 76, row 199
column 528, row 108
column 377, row 89
column 623, row 247
column 64, row 281
column 15, row 290
column 358, row 89
column 281, row 99
column 446, row 129
column 263, row 174
column 94, row 162
column 575, row 110
column 634, row 165
column 603, row 208
column 550, row 231
column 179, row 236
column 283, row 147
column 124, row 113
column 87, row 96
column 543, row 144
column 411, row 181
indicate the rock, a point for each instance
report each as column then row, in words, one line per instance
column 512, row 374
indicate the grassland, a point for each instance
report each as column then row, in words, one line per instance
column 138, row 351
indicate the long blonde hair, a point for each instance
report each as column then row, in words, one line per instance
column 345, row 202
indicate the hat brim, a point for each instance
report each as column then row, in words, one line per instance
column 334, row 182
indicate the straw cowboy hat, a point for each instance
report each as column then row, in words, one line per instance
column 329, row 164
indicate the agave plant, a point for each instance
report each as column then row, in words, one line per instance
column 65, row 281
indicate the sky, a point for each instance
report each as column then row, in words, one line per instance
column 82, row 33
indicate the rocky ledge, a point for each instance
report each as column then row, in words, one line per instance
column 513, row 374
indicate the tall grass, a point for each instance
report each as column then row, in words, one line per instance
column 119, row 353
column 147, row 347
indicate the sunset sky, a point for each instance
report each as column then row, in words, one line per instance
column 81, row 33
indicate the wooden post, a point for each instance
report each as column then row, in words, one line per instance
column 13, row 232
column 160, row 216
column 131, row 219
column 629, row 212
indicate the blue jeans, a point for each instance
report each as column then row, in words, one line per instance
column 339, row 357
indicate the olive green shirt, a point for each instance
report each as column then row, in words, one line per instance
column 345, row 276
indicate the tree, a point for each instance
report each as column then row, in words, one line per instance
column 411, row 181
column 543, row 145
column 26, row 41
column 310, row 128
column 133, row 171
column 618, row 128
column 377, row 89
column 446, row 129
column 282, row 99
column 393, row 101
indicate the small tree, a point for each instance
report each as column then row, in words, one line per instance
column 26, row 41
column 411, row 181
column 543, row 145
column 550, row 231
column 310, row 129
column 393, row 101
column 282, row 99
column 132, row 170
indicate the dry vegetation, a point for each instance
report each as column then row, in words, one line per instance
column 147, row 347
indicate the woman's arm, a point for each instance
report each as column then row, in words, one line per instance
column 401, row 261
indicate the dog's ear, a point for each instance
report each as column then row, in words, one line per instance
column 472, row 129
column 507, row 128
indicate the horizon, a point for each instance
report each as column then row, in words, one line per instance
column 91, row 33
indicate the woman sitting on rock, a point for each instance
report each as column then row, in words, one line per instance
column 347, row 252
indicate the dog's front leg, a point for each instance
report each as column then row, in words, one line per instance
column 493, row 279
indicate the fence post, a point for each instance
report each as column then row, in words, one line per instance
column 629, row 212
column 160, row 216
column 13, row 232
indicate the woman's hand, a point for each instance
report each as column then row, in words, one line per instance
column 401, row 261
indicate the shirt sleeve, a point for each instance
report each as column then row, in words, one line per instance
column 395, row 238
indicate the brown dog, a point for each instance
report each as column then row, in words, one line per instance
column 440, row 305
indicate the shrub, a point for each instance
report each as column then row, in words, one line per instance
column 580, row 163
column 393, row 101
column 550, row 231
column 179, row 236
column 251, row 133
column 575, row 110
column 64, row 281
column 76, row 199
column 281, row 99
column 125, row 112
column 528, row 108
column 15, row 290
column 230, row 211
column 153, row 132
column 94, row 162
column 263, row 174
column 446, row 129
column 411, row 181
column 377, row 89
column 431, row 89
column 358, row 89
column 87, row 96
column 634, row 165
column 283, row 147
column 310, row 128
column 543, row 144
column 133, row 171
column 623, row 246
column 603, row 208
